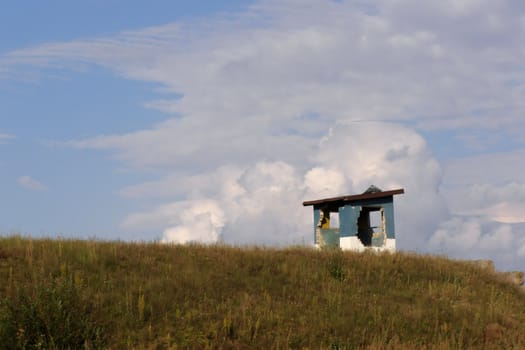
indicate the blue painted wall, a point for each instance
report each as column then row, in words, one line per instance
column 349, row 214
column 348, row 220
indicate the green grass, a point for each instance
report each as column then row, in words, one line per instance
column 60, row 294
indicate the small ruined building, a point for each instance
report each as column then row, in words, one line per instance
column 356, row 222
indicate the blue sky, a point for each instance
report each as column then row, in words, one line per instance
column 190, row 120
column 36, row 22
column 45, row 111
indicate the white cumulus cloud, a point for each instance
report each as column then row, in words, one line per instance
column 260, row 203
column 475, row 238
column 198, row 221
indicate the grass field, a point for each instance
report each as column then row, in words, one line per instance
column 70, row 294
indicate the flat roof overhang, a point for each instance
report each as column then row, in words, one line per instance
column 355, row 197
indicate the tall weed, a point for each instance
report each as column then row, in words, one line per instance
column 53, row 315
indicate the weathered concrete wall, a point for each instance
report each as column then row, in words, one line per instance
column 349, row 215
column 353, row 243
column 352, row 220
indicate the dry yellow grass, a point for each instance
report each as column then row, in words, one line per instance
column 155, row 296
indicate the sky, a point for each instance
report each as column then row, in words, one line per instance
column 182, row 121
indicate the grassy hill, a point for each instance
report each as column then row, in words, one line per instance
column 58, row 294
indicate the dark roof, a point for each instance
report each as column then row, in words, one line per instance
column 373, row 189
column 355, row 197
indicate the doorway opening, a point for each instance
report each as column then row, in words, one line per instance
column 371, row 227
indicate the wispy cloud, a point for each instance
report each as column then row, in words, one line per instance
column 4, row 138
column 29, row 183
column 440, row 66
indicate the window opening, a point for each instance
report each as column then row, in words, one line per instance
column 334, row 219
column 327, row 231
column 376, row 221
